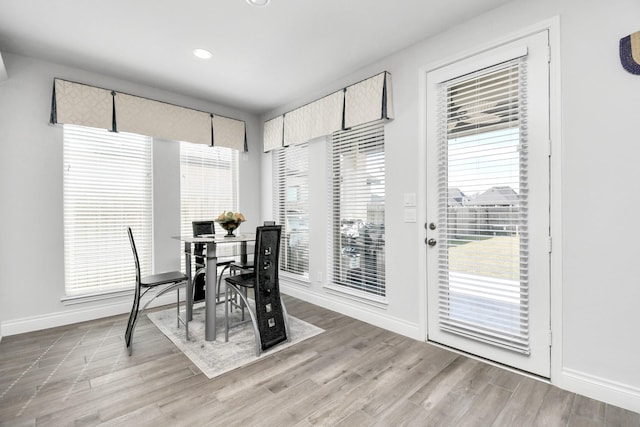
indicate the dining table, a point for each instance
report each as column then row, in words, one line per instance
column 211, row 242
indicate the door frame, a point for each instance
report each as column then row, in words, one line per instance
column 552, row 25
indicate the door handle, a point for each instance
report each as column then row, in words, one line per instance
column 430, row 242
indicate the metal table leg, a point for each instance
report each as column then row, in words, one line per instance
column 189, row 297
column 211, row 272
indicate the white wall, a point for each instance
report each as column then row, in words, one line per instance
column 595, row 289
column 31, row 221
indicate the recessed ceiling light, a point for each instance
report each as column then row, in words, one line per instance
column 202, row 53
column 258, row 3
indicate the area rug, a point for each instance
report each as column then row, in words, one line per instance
column 217, row 357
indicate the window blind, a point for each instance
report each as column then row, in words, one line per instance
column 357, row 242
column 107, row 187
column 291, row 207
column 208, row 186
column 483, row 284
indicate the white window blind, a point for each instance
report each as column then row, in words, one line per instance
column 208, row 186
column 107, row 188
column 484, row 291
column 291, row 207
column 357, row 173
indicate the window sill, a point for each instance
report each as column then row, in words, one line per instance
column 81, row 299
column 359, row 296
column 295, row 279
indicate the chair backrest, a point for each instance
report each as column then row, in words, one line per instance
column 202, row 227
column 269, row 223
column 267, row 251
column 269, row 311
column 135, row 255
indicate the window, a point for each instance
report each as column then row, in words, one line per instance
column 291, row 207
column 208, row 185
column 357, row 173
column 107, row 188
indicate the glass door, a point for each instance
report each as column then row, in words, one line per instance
column 488, row 206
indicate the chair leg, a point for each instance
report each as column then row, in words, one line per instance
column 168, row 288
column 131, row 323
column 178, row 318
column 242, row 304
column 286, row 320
column 226, row 267
column 251, row 314
column 226, row 313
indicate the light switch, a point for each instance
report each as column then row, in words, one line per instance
column 409, row 199
column 410, row 215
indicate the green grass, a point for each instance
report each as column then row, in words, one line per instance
column 497, row 256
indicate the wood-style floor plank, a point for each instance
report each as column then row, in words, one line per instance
column 353, row 374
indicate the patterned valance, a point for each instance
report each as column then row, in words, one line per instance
column 229, row 133
column 3, row 71
column 80, row 104
column 367, row 101
column 321, row 117
column 273, row 133
column 161, row 120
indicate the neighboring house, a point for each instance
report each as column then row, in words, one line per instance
column 496, row 196
column 457, row 197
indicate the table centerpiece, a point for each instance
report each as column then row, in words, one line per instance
column 230, row 221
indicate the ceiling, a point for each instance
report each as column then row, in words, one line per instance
column 263, row 57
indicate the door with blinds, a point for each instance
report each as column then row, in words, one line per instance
column 488, row 253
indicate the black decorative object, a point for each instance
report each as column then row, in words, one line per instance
column 630, row 53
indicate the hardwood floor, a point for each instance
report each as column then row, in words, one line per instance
column 354, row 374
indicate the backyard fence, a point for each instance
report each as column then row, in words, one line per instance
column 466, row 221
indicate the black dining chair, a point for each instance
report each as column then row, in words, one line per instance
column 160, row 283
column 202, row 228
column 268, row 314
column 238, row 266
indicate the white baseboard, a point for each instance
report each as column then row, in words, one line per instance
column 67, row 317
column 350, row 308
column 612, row 392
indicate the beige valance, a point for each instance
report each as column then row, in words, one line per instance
column 76, row 103
column 229, row 133
column 84, row 105
column 161, row 120
column 273, row 133
column 367, row 101
column 318, row 118
column 3, row 70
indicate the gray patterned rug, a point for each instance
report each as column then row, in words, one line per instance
column 217, row 357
